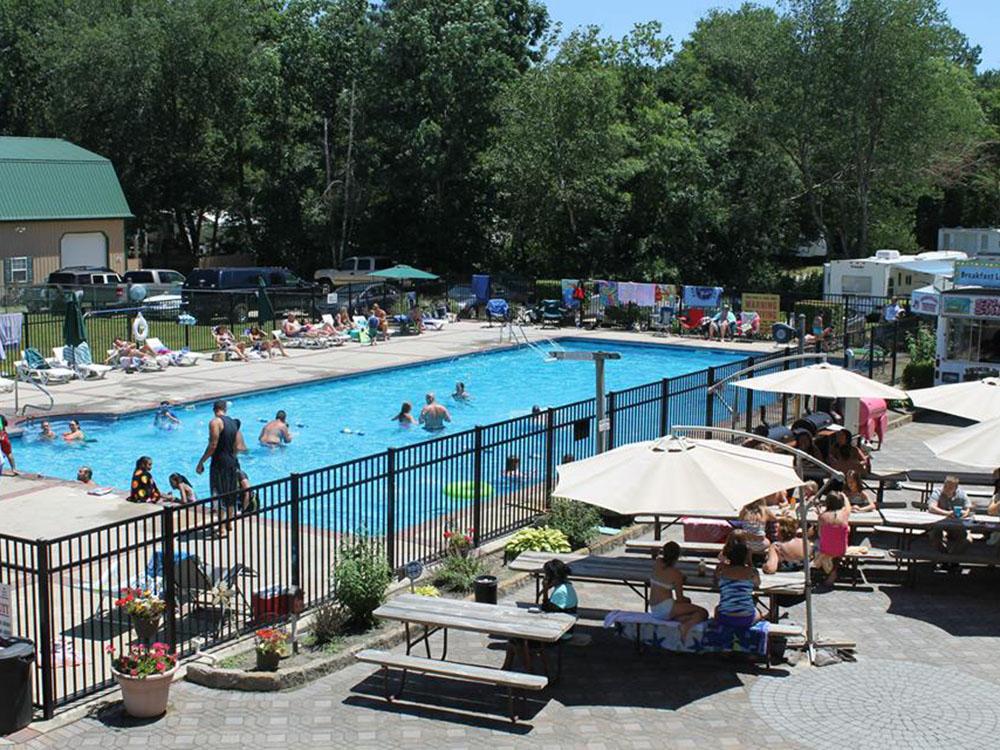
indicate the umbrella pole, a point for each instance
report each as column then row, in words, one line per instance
column 806, row 569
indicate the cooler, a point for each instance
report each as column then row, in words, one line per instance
column 705, row 530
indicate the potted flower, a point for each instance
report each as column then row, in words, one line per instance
column 145, row 608
column 270, row 648
column 144, row 674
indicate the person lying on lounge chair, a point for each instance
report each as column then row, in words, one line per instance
column 264, row 345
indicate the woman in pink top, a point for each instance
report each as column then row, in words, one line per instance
column 834, row 530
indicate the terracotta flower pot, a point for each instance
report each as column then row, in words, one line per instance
column 267, row 661
column 146, row 628
column 145, row 697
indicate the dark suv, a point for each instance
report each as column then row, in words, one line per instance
column 100, row 287
column 229, row 293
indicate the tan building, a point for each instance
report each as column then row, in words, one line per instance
column 60, row 205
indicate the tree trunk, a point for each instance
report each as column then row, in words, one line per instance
column 348, row 171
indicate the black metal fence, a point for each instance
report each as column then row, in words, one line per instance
column 221, row 576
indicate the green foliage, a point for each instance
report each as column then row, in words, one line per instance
column 548, row 289
column 426, row 591
column 921, row 345
column 458, row 572
column 541, row 539
column 360, row 579
column 918, row 374
column 578, row 521
column 328, row 622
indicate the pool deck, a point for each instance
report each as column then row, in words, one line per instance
column 119, row 393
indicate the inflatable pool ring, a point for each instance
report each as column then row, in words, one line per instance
column 140, row 328
column 467, row 490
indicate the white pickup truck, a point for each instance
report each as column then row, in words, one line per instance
column 355, row 269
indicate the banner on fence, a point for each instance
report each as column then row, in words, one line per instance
column 767, row 306
column 5, row 617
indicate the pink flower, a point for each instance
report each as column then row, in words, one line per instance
column 109, row 649
column 160, row 666
column 134, row 672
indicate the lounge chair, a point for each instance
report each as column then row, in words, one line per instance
column 553, row 313
column 748, row 325
column 692, row 320
column 497, row 309
column 34, row 366
column 78, row 359
column 202, row 587
column 183, row 358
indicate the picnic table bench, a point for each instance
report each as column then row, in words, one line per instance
column 635, row 572
column 526, row 630
column 512, row 681
column 976, row 558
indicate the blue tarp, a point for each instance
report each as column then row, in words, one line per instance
column 481, row 287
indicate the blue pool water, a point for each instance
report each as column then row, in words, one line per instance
column 345, row 418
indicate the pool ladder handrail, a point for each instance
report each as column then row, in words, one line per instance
column 22, row 410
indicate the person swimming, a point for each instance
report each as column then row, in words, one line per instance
column 185, row 493
column 405, row 416
column 460, row 393
column 47, row 433
column 276, row 431
column 433, row 415
column 74, row 434
column 163, row 418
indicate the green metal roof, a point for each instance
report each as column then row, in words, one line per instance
column 43, row 179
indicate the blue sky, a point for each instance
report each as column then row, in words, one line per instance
column 977, row 19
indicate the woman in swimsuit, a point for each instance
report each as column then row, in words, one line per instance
column 666, row 594
column 736, row 579
column 75, row 434
column 405, row 416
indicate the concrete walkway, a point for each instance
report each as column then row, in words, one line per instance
column 119, row 393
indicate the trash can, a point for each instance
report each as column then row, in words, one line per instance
column 16, row 659
column 486, row 589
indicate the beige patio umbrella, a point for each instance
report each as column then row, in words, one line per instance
column 977, row 399
column 978, row 445
column 676, row 476
column 822, row 379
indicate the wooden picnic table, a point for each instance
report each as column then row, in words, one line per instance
column 635, row 572
column 519, row 625
column 910, row 521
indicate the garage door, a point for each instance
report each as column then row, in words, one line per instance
column 83, row 249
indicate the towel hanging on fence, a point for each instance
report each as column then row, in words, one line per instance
column 607, row 291
column 702, row 296
column 10, row 332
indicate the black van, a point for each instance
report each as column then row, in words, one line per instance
column 228, row 293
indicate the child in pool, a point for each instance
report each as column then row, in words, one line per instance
column 163, row 418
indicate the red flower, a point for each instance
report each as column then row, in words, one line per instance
column 160, row 666
column 447, row 535
column 134, row 672
column 109, row 649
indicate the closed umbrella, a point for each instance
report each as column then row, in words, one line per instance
column 74, row 329
column 822, row 379
column 264, row 309
column 978, row 445
column 676, row 476
column 403, row 272
column 977, row 399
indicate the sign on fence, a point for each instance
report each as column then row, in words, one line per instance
column 5, row 614
column 767, row 306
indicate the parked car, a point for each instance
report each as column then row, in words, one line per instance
column 155, row 281
column 162, row 306
column 99, row 287
column 357, row 296
column 463, row 295
column 357, row 268
column 229, row 293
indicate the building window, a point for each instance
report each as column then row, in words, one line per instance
column 20, row 270
column 984, row 242
column 909, row 279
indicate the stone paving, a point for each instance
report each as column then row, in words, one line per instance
column 925, row 676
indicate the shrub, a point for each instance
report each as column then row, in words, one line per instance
column 542, row 539
column 918, row 375
column 360, row 579
column 458, row 572
column 548, row 289
column 578, row 521
column 328, row 623
column 921, row 345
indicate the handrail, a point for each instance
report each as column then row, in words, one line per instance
column 23, row 378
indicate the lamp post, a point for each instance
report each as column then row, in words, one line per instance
column 598, row 358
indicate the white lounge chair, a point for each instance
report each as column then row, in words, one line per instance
column 84, row 370
column 179, row 359
column 43, row 371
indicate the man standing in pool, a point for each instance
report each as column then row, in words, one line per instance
column 224, row 441
column 433, row 415
column 276, row 431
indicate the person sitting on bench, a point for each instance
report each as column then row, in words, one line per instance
column 789, row 551
column 558, row 594
column 666, row 596
column 950, row 500
column 736, row 579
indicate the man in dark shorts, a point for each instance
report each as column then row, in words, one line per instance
column 224, row 441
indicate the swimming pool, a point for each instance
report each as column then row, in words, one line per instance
column 344, row 418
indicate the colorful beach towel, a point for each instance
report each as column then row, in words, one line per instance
column 607, row 292
column 706, row 637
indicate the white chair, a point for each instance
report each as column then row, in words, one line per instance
column 84, row 370
column 178, row 359
column 47, row 375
